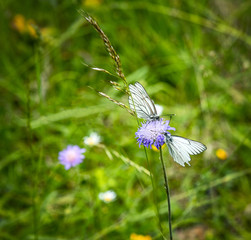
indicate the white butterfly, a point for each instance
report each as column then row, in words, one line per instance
column 142, row 103
column 181, row 148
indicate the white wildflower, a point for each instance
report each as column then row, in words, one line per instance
column 92, row 140
column 108, row 196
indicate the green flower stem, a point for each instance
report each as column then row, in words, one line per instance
column 168, row 196
column 154, row 194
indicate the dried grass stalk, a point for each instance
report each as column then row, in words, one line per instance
column 122, row 105
column 108, row 45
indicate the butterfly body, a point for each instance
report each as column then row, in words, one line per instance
column 152, row 118
column 168, row 138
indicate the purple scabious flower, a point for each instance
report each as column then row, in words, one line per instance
column 71, row 156
column 152, row 133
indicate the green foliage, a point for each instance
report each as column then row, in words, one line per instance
column 193, row 57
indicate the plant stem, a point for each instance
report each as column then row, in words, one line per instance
column 168, row 196
column 31, row 155
column 153, row 195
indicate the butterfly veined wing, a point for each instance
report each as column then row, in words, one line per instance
column 141, row 102
column 140, row 108
column 181, row 148
column 144, row 106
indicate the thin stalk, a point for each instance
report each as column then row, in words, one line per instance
column 29, row 142
column 168, row 195
column 38, row 74
column 154, row 196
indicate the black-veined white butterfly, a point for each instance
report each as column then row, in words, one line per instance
column 142, row 103
column 181, row 148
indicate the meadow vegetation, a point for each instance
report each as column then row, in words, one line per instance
column 193, row 57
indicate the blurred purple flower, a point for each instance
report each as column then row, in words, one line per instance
column 71, row 156
column 152, row 133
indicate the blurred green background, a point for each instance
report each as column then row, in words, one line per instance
column 193, row 57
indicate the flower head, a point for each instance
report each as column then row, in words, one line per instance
column 93, row 139
column 156, row 149
column 71, row 156
column 152, row 133
column 19, row 23
column 135, row 236
column 24, row 26
column 92, row 3
column 108, row 196
column 221, row 154
column 48, row 34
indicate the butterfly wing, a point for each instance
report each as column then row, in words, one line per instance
column 181, row 148
column 141, row 102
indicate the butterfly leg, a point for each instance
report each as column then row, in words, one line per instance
column 170, row 116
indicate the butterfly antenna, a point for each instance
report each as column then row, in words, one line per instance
column 171, row 115
column 170, row 118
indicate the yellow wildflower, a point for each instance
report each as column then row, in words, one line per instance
column 221, row 154
column 19, row 23
column 30, row 28
column 91, row 3
column 135, row 236
column 156, row 149
column 47, row 34
column 24, row 26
